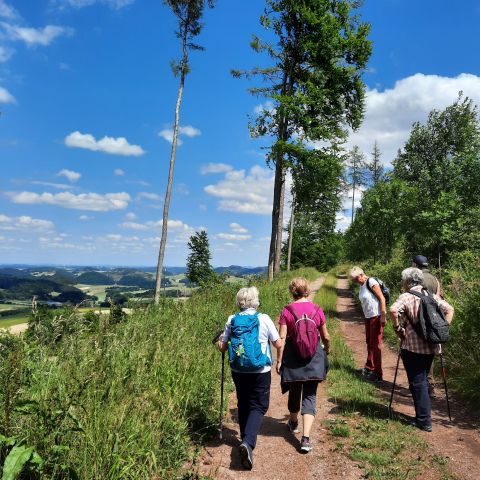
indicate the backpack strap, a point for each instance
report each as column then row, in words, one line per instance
column 416, row 326
column 295, row 316
column 370, row 289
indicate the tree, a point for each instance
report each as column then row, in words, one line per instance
column 188, row 13
column 356, row 165
column 375, row 170
column 314, row 85
column 199, row 270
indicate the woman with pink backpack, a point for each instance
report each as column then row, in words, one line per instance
column 302, row 362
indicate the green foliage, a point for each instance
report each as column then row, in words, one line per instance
column 199, row 270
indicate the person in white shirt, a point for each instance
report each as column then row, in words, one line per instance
column 252, row 386
column 375, row 311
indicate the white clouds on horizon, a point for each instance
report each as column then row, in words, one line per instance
column 114, row 4
column 237, row 228
column 84, row 201
column 24, row 222
column 69, row 174
column 110, row 145
column 389, row 114
column 187, row 130
column 233, row 237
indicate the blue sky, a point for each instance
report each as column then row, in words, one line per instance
column 87, row 100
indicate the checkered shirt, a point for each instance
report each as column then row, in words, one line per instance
column 406, row 308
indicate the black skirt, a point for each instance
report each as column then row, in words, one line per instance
column 295, row 369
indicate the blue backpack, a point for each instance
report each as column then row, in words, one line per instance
column 244, row 350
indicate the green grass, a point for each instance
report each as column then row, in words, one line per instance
column 132, row 400
column 384, row 448
column 12, row 320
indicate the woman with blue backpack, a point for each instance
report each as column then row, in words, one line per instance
column 247, row 337
column 302, row 363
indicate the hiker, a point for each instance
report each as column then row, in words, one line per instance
column 375, row 311
column 246, row 337
column 432, row 285
column 417, row 355
column 302, row 370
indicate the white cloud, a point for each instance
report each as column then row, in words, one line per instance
column 6, row 11
column 6, row 96
column 343, row 222
column 110, row 145
column 83, row 201
column 35, row 36
column 60, row 186
column 187, row 130
column 149, row 196
column 118, row 172
column 84, row 218
column 233, row 237
column 348, row 197
column 115, row 4
column 267, row 106
column 182, row 189
column 155, row 225
column 24, row 222
column 390, row 113
column 237, row 228
column 245, row 193
column 69, row 174
column 5, row 54
column 215, row 168
column 130, row 216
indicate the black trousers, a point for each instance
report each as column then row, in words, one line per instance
column 253, row 398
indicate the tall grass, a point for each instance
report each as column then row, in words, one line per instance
column 128, row 400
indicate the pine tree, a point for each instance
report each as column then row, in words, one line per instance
column 199, row 270
column 356, row 165
column 375, row 168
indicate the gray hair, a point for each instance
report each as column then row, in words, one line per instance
column 412, row 277
column 356, row 272
column 247, row 297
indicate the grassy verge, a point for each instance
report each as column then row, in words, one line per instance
column 384, row 448
column 12, row 320
column 86, row 397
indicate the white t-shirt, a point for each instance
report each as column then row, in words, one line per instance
column 369, row 301
column 266, row 332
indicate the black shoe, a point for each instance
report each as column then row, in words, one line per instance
column 424, row 428
column 374, row 377
column 246, row 455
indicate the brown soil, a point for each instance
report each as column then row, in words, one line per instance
column 276, row 456
column 459, row 440
column 17, row 329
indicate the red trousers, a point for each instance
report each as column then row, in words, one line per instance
column 373, row 337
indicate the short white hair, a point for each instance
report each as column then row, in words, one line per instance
column 247, row 297
column 356, row 272
column 412, row 277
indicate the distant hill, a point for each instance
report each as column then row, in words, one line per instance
column 137, row 280
column 95, row 278
column 238, row 271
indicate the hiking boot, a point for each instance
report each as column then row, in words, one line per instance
column 424, row 428
column 363, row 372
column 374, row 377
column 293, row 426
column 246, row 455
column 305, row 445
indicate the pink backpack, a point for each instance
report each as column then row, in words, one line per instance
column 305, row 337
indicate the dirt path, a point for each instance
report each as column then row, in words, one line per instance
column 16, row 329
column 276, row 455
column 458, row 440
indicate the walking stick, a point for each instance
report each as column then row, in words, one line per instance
column 394, row 380
column 442, row 366
column 214, row 341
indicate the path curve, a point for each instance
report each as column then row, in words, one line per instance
column 276, row 455
column 458, row 440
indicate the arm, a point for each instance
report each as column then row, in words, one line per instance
column 325, row 338
column 283, row 336
column 395, row 312
column 383, row 306
column 447, row 310
column 222, row 343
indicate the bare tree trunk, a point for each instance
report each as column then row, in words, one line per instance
column 277, row 192
column 290, row 234
column 279, row 236
column 168, row 193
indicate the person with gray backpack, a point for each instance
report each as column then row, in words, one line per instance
column 247, row 337
column 420, row 319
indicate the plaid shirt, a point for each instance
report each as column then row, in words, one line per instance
column 406, row 308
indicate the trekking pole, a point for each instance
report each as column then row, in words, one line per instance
column 442, row 366
column 394, row 380
column 214, row 341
